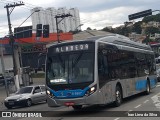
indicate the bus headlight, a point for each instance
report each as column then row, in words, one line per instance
column 49, row 94
column 91, row 90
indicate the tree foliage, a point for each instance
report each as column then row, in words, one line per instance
column 88, row 28
column 151, row 30
column 108, row 29
column 155, row 18
column 137, row 27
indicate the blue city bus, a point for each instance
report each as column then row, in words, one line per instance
column 98, row 70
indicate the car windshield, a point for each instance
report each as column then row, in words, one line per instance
column 68, row 69
column 24, row 90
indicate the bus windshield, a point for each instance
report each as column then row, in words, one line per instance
column 70, row 68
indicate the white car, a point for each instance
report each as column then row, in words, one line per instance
column 26, row 96
column 158, row 75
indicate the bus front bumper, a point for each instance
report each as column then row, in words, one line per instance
column 86, row 100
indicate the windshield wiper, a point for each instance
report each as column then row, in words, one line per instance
column 77, row 60
column 62, row 63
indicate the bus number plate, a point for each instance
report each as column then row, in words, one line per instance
column 69, row 103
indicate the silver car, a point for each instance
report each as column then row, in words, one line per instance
column 26, row 96
column 158, row 75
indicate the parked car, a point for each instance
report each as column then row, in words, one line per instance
column 26, row 96
column 158, row 74
column 2, row 79
column 9, row 79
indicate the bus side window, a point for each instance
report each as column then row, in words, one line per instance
column 100, row 65
column 101, row 69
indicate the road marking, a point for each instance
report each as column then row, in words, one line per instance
column 138, row 106
column 59, row 118
column 156, row 100
column 158, row 94
column 116, row 119
column 128, row 111
column 146, row 101
column 158, row 86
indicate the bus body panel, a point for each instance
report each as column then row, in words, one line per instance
column 133, row 84
column 86, row 100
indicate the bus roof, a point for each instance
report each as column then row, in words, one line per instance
column 110, row 38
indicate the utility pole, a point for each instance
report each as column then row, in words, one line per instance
column 3, row 70
column 10, row 8
column 60, row 16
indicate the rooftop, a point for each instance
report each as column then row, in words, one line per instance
column 83, row 35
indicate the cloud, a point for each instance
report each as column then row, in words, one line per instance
column 94, row 13
column 106, row 18
column 100, row 5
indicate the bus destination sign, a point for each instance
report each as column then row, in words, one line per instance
column 70, row 48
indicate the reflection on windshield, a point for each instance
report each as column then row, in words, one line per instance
column 68, row 69
column 24, row 90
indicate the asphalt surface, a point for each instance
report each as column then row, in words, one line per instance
column 132, row 109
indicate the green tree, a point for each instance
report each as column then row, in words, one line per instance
column 137, row 27
column 119, row 30
column 108, row 29
column 147, row 40
column 152, row 18
column 151, row 30
column 89, row 28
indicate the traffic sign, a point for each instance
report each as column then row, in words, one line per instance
column 140, row 14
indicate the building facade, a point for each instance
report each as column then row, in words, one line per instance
column 47, row 17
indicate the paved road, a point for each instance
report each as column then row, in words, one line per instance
column 137, row 103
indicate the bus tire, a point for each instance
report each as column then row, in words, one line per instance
column 148, row 88
column 77, row 107
column 118, row 94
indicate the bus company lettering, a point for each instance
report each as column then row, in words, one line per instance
column 72, row 48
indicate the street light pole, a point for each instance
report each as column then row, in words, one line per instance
column 79, row 26
column 28, row 17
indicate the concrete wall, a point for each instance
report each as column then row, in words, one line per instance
column 8, row 62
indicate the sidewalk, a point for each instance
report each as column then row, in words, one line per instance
column 3, row 94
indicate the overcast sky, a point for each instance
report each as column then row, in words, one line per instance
column 96, row 14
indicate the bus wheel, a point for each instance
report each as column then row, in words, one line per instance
column 148, row 89
column 118, row 95
column 77, row 107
